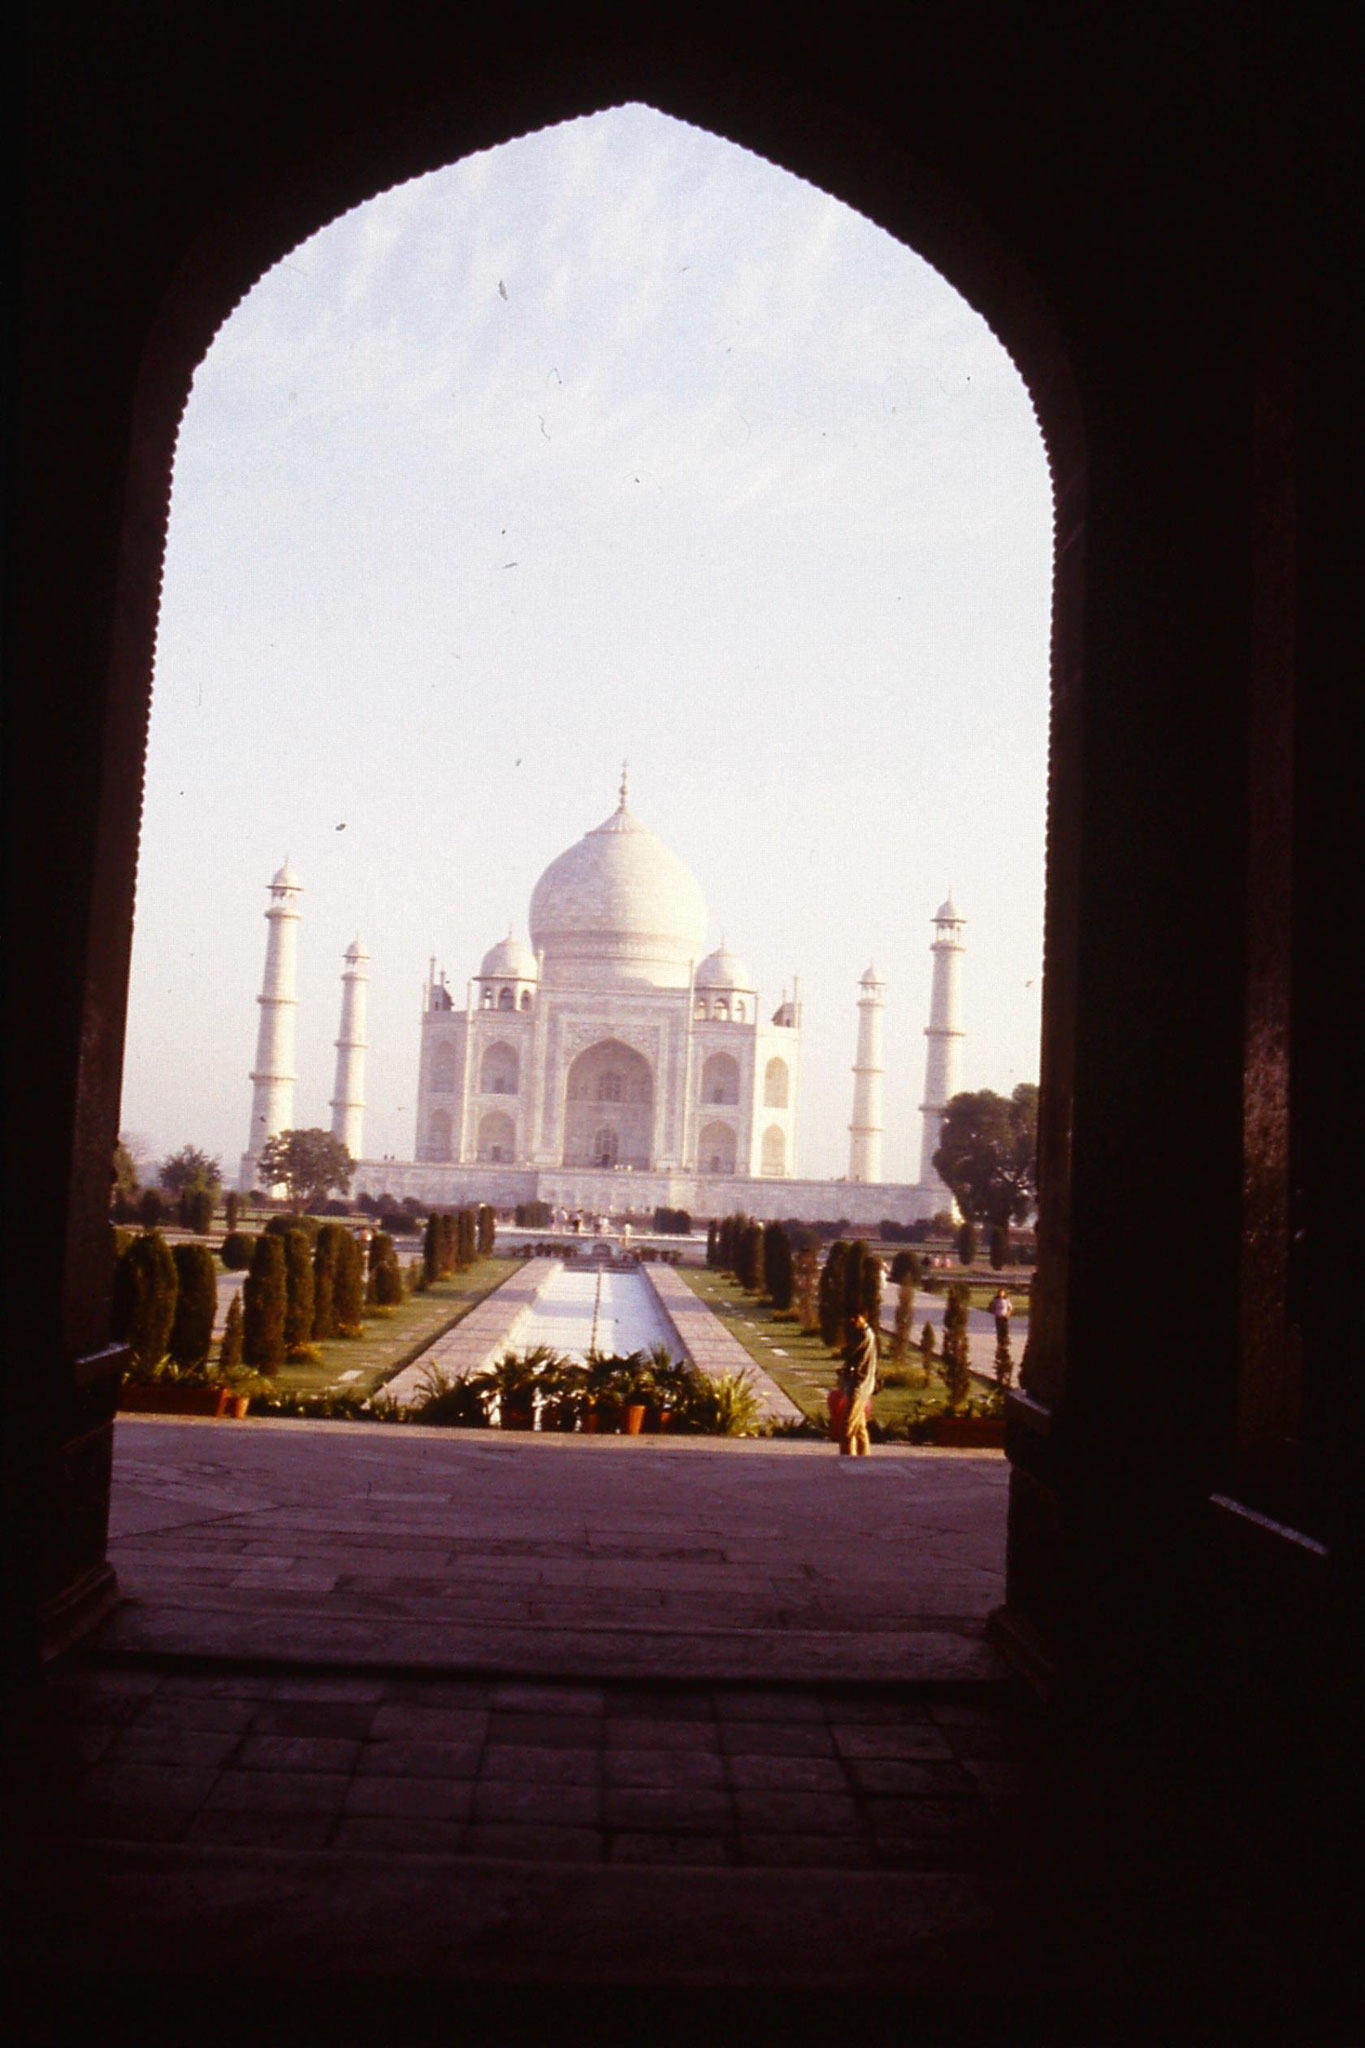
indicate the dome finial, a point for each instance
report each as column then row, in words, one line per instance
column 625, row 778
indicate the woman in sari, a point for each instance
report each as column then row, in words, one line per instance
column 857, row 1383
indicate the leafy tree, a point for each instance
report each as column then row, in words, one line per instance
column 988, row 1154
column 348, row 1287
column 832, row 1305
column 145, row 1286
column 125, row 1177
column 957, row 1366
column 196, row 1303
column 298, row 1285
column 966, row 1244
column 307, row 1164
column 907, row 1266
column 188, row 1170
column 230, row 1349
column 265, row 1298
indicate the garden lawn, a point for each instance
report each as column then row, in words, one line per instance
column 808, row 1370
column 393, row 1337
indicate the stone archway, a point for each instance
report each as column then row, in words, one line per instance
column 609, row 1107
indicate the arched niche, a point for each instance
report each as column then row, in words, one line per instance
column 717, row 1149
column 443, row 1070
column 609, row 1086
column 773, row 1153
column 497, row 1138
column 776, row 1085
column 438, row 1135
column 499, row 1070
column 720, row 1079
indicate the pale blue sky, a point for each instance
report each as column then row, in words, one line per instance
column 614, row 441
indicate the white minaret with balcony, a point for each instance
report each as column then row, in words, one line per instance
column 348, row 1092
column 273, row 1077
column 865, row 1131
column 943, row 1063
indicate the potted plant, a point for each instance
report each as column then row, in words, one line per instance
column 512, row 1384
column 563, row 1393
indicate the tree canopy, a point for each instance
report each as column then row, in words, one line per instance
column 307, row 1164
column 988, row 1154
column 190, row 1171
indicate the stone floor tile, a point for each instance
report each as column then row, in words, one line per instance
column 661, row 1734
column 135, row 1823
column 104, row 1709
column 642, row 1703
column 529, row 1698
column 963, row 1714
column 806, row 1852
column 544, row 1731
column 189, row 1710
column 218, row 1685
column 904, row 1774
column 532, row 1844
column 419, row 1759
column 775, row 1738
column 552, row 1766
column 402, row 1833
column 92, row 1739
column 676, row 1809
column 104, row 1678
column 664, row 1767
column 509, row 1799
column 298, row 1753
column 744, row 1705
column 848, row 1710
column 626, row 1847
column 278, row 1792
column 470, row 1695
column 886, row 1739
column 246, row 1830
column 166, row 1743
column 929, row 1815
column 308, row 1686
column 767, row 1811
column 349, row 1720
column 109, row 1783
column 788, row 1773
column 396, row 1720
column 434, row 1798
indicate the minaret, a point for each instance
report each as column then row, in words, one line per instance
column 273, row 1078
column 943, row 1064
column 348, row 1094
column 865, row 1141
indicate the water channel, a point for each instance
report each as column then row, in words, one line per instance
column 595, row 1309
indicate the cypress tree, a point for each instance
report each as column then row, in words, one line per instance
column 326, row 1254
column 777, row 1265
column 711, row 1236
column 348, row 1287
column 488, row 1230
column 870, row 1297
column 957, row 1369
column 265, row 1297
column 201, row 1212
column 464, row 1238
column 298, row 1285
column 854, row 1264
column 196, row 1304
column 431, row 1249
column 232, row 1210
column 1000, row 1245
column 906, row 1266
column 449, row 1241
column 150, row 1208
column 807, row 1286
column 905, row 1316
column 831, row 1302
column 966, row 1244
column 230, row 1350
column 145, row 1287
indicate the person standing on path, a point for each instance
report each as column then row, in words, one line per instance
column 857, row 1383
column 1002, row 1309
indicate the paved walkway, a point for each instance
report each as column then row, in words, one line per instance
column 712, row 1348
column 600, row 1556
column 483, row 1331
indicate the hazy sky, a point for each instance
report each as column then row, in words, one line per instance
column 614, row 441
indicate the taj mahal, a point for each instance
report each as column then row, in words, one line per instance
column 611, row 1063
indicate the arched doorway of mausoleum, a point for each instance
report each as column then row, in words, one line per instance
column 609, row 1090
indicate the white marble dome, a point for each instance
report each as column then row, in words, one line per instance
column 509, row 960
column 723, row 969
column 619, row 909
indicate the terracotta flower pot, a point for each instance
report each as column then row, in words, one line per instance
column 589, row 1422
column 174, row 1400
column 635, row 1417
column 518, row 1415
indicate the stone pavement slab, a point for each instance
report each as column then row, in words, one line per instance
column 365, row 1544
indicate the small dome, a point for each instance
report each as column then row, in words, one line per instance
column 723, row 969
column 285, row 878
column 357, row 950
column 948, row 913
column 509, row 960
column 870, row 975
